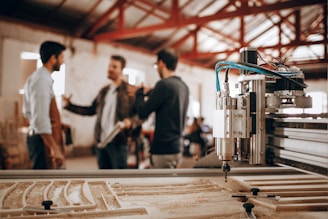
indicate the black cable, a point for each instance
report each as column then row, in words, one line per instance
column 273, row 73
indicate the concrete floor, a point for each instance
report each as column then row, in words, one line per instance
column 90, row 162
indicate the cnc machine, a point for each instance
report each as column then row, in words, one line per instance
column 239, row 125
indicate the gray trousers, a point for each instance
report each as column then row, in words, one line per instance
column 166, row 160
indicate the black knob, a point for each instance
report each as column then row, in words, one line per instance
column 248, row 207
column 255, row 191
column 47, row 204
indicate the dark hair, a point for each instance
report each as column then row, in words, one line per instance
column 49, row 48
column 120, row 59
column 169, row 57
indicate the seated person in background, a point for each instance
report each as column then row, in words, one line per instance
column 197, row 142
column 205, row 128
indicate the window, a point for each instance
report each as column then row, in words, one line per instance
column 319, row 104
column 134, row 77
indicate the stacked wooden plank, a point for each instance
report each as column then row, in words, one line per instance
column 303, row 192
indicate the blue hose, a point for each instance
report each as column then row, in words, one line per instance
column 253, row 68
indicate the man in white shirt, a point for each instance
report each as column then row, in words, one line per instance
column 44, row 139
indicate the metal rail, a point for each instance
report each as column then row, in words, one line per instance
column 59, row 174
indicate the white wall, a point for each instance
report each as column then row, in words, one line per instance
column 317, row 85
column 86, row 72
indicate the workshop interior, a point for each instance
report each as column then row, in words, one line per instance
column 257, row 73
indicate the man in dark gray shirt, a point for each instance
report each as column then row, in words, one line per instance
column 169, row 100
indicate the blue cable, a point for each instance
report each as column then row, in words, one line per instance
column 218, row 89
column 253, row 68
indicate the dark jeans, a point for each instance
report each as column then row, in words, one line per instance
column 36, row 151
column 112, row 156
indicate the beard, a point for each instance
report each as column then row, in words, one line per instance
column 160, row 73
column 56, row 66
column 111, row 76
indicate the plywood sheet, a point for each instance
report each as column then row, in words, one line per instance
column 148, row 197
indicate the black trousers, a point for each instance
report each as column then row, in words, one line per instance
column 36, row 151
column 112, row 156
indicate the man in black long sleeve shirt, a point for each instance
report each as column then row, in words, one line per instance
column 169, row 100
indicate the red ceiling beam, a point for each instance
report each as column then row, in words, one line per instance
column 148, row 12
column 242, row 32
column 53, row 11
column 175, row 13
column 186, row 60
column 83, row 18
column 104, row 18
column 151, row 4
column 272, row 26
column 181, row 22
column 228, row 38
column 213, row 54
column 298, row 32
column 130, row 33
column 121, row 19
column 195, row 43
column 178, row 43
column 181, row 40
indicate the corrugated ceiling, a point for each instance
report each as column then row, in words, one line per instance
column 204, row 31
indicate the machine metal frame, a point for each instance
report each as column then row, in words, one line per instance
column 239, row 125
